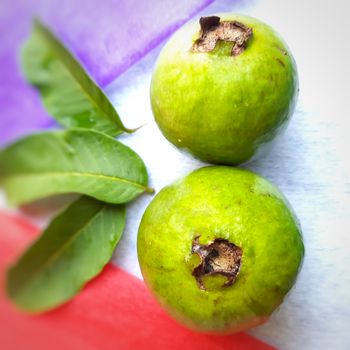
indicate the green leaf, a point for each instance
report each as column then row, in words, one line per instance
column 72, row 161
column 67, row 91
column 73, row 249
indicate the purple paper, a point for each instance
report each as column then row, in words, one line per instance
column 21, row 109
column 107, row 36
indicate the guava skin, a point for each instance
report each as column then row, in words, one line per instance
column 233, row 204
column 224, row 109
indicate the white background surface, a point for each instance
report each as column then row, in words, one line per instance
column 310, row 164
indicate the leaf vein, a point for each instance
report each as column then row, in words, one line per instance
column 51, row 259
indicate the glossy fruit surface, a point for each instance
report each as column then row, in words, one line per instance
column 244, row 231
column 224, row 106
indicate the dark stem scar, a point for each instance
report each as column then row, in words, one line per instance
column 212, row 30
column 220, row 257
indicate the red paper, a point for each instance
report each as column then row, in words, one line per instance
column 114, row 311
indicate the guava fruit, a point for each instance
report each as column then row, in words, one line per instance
column 220, row 249
column 224, row 88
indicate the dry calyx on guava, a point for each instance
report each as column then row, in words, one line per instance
column 220, row 249
column 224, row 88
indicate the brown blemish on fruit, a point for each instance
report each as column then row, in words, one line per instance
column 220, row 257
column 280, row 62
column 213, row 30
column 284, row 52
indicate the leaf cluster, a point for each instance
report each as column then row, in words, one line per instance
column 85, row 159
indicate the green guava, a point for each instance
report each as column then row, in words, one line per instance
column 224, row 88
column 220, row 249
